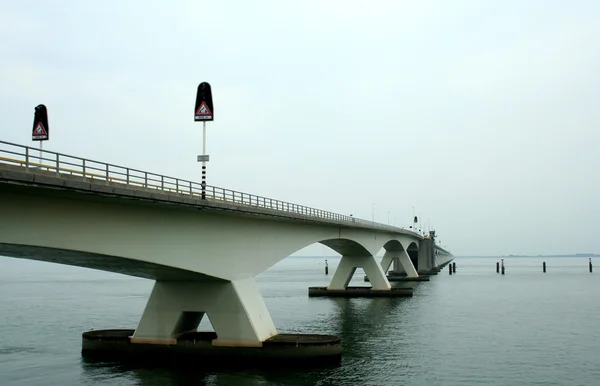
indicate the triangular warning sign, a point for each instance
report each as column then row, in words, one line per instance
column 40, row 124
column 39, row 130
column 203, row 110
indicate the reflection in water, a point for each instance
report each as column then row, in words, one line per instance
column 364, row 317
column 172, row 374
column 198, row 373
column 361, row 324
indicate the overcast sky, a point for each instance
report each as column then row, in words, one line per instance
column 482, row 115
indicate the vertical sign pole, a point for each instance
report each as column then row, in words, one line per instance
column 203, row 111
column 41, row 150
column 203, row 160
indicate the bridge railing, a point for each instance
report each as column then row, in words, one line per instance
column 67, row 166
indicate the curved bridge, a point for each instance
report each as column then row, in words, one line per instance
column 203, row 252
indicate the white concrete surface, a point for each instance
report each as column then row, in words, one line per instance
column 235, row 309
column 347, row 267
column 204, row 260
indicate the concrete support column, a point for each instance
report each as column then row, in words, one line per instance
column 236, row 310
column 402, row 262
column 407, row 264
column 347, row 267
column 426, row 255
column 398, row 268
column 386, row 262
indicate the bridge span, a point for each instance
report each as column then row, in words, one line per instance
column 203, row 253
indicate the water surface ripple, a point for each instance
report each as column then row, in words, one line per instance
column 472, row 328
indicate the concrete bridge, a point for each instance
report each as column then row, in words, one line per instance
column 203, row 253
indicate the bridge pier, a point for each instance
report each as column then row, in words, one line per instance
column 348, row 264
column 400, row 260
column 398, row 269
column 380, row 286
column 396, row 255
column 427, row 256
column 407, row 264
column 236, row 310
column 388, row 261
column 243, row 327
column 397, row 263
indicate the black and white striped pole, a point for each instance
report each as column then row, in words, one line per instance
column 203, row 159
column 203, row 112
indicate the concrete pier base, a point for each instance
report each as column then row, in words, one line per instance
column 401, row 278
column 292, row 348
column 359, row 292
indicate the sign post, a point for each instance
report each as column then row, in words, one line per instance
column 41, row 130
column 203, row 112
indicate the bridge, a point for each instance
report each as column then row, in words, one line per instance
column 203, row 246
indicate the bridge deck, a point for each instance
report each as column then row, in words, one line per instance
column 28, row 166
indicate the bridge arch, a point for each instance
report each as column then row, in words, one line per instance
column 222, row 245
column 397, row 258
column 346, row 247
column 188, row 250
column 413, row 253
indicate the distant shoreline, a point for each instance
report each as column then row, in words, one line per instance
column 537, row 256
column 479, row 256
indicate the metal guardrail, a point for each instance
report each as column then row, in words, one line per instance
column 63, row 164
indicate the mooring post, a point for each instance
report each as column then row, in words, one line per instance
column 590, row 264
column 502, row 266
column 450, row 269
column 326, row 268
column 544, row 266
column 454, row 267
column 497, row 267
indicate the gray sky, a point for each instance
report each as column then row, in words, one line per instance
column 483, row 115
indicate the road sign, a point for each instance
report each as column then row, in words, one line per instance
column 203, row 158
column 41, row 131
column 204, row 110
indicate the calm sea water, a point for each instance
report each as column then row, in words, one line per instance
column 472, row 328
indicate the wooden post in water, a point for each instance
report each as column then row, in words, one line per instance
column 544, row 267
column 497, row 267
column 326, row 268
column 502, row 266
column 590, row 264
column 453, row 267
column 450, row 269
